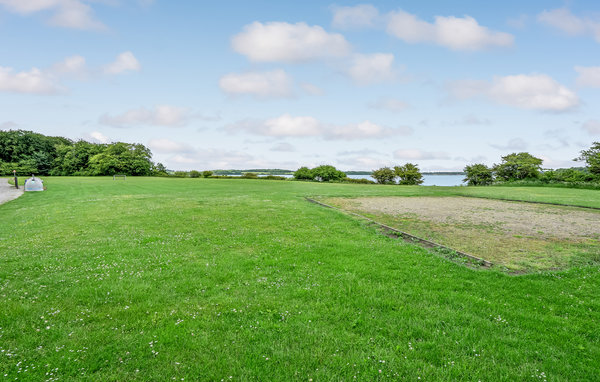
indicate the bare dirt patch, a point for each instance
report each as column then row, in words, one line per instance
column 515, row 234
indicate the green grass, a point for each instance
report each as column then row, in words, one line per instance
column 155, row 279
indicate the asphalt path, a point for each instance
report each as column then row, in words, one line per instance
column 9, row 192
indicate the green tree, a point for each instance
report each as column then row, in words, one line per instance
column 478, row 175
column 122, row 158
column 207, row 173
column 384, row 175
column 591, row 157
column 326, row 173
column 195, row 174
column 518, row 166
column 409, row 174
column 159, row 169
column 304, row 173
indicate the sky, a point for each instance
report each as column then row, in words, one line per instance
column 283, row 84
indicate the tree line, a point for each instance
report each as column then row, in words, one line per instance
column 28, row 153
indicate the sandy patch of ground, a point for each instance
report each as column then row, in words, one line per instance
column 536, row 220
column 8, row 192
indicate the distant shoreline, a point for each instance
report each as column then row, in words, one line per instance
column 276, row 171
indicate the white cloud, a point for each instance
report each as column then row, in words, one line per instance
column 124, row 62
column 362, row 15
column 34, row 81
column 74, row 65
column 389, row 104
column 305, row 126
column 516, row 144
column 284, row 42
column 66, row 13
column 563, row 19
column 164, row 145
column 364, row 163
column 416, row 154
column 271, row 84
column 161, row 115
column 588, row 76
column 534, row 91
column 97, row 137
column 592, row 127
column 456, row 33
column 367, row 69
column 283, row 147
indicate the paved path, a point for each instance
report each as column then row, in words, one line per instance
column 9, row 192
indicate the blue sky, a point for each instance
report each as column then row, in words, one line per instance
column 360, row 85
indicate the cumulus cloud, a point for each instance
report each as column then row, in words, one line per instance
column 534, row 91
column 285, row 42
column 160, row 115
column 306, row 126
column 564, row 20
column 312, row 89
column 513, row 144
column 589, row 76
column 362, row 15
column 389, row 104
column 65, row 13
column 97, row 137
column 456, row 33
column 124, row 62
column 592, row 127
column 271, row 84
column 368, row 69
column 74, row 65
column 416, row 154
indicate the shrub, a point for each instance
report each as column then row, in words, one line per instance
column 304, row 173
column 250, row 175
column 180, row 174
column 207, row 174
column 273, row 177
column 478, row 175
column 195, row 174
column 409, row 174
column 327, row 173
column 359, row 181
column 384, row 175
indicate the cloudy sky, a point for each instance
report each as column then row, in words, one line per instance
column 255, row 84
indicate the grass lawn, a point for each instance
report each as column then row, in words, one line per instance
column 200, row 279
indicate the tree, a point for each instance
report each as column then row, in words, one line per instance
column 195, row 174
column 478, row 175
column 326, row 173
column 304, row 173
column 384, row 175
column 591, row 157
column 518, row 166
column 159, row 169
column 207, row 173
column 409, row 174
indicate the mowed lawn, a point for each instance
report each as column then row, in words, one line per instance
column 200, row 279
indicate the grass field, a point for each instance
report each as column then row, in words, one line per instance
column 199, row 279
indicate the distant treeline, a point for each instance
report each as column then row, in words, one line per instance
column 32, row 153
column 259, row 171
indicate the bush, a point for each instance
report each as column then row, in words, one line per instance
column 180, row 174
column 195, row 174
column 273, row 177
column 359, row 181
column 304, row 173
column 327, row 173
column 384, row 175
column 207, row 174
column 250, row 175
column 478, row 175
column 409, row 174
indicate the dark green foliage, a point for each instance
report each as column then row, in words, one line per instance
column 159, row 169
column 478, row 175
column 250, row 175
column 327, row 173
column 518, row 166
column 358, row 181
column 304, row 173
column 29, row 152
column 591, row 157
column 195, row 174
column 568, row 175
column 409, row 174
column 180, row 174
column 273, row 177
column 207, row 173
column 384, row 175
